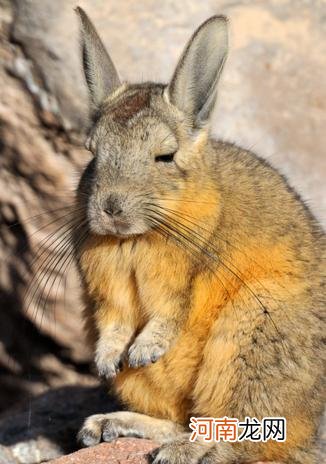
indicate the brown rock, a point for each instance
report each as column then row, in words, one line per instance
column 6, row 456
column 39, row 347
column 121, row 451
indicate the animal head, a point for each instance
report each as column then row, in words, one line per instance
column 147, row 139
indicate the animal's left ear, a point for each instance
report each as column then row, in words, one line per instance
column 101, row 75
column 193, row 87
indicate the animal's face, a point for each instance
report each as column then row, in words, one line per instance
column 142, row 160
column 144, row 140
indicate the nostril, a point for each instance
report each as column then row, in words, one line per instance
column 112, row 206
column 108, row 212
column 113, row 212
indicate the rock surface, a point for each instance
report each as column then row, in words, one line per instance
column 41, row 341
column 272, row 100
column 121, row 451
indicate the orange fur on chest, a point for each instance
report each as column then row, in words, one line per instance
column 110, row 269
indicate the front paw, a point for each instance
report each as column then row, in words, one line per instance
column 108, row 362
column 99, row 427
column 141, row 353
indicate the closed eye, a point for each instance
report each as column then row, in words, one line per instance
column 166, row 158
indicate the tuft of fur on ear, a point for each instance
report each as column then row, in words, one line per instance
column 101, row 75
column 193, row 87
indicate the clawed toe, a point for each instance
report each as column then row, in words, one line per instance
column 99, row 428
column 108, row 367
column 110, row 430
column 152, row 455
column 140, row 355
column 87, row 437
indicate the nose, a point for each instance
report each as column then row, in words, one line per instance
column 113, row 206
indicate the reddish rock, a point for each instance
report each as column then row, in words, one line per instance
column 121, row 451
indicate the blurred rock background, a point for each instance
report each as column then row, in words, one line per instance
column 272, row 100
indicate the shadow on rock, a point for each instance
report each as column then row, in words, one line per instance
column 46, row 428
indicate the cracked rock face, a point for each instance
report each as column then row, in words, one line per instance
column 271, row 100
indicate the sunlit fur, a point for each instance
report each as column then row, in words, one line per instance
column 227, row 280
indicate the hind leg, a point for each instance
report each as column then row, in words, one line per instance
column 107, row 427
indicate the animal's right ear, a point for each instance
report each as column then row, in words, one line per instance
column 101, row 75
column 193, row 87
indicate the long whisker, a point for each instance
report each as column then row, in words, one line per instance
column 197, row 251
column 39, row 215
column 50, row 259
column 253, row 294
column 185, row 200
column 186, row 217
column 46, row 241
column 210, row 247
column 63, row 264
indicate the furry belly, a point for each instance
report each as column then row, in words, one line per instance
column 163, row 389
column 166, row 389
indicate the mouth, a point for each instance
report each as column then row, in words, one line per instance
column 120, row 228
column 116, row 228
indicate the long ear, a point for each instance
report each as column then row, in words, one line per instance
column 101, row 75
column 193, row 86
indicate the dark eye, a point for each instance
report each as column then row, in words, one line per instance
column 166, row 158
